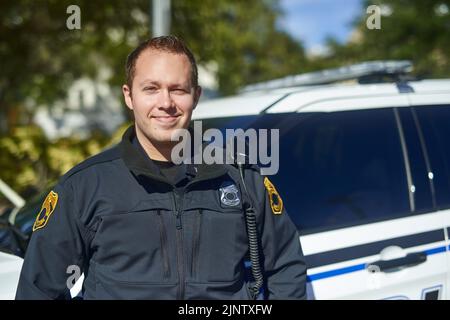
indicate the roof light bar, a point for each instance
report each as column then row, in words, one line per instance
column 355, row 71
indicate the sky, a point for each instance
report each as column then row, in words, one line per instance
column 312, row 21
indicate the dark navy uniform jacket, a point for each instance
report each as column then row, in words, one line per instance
column 136, row 236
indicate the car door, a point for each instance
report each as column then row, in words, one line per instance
column 355, row 184
column 433, row 117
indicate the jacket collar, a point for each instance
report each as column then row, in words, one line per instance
column 137, row 163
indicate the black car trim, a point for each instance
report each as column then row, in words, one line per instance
column 373, row 248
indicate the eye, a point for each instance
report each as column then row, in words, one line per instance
column 179, row 91
column 150, row 89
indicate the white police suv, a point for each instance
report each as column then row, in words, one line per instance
column 364, row 173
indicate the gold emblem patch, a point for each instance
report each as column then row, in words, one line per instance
column 47, row 209
column 275, row 200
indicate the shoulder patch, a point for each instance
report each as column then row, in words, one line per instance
column 47, row 209
column 275, row 200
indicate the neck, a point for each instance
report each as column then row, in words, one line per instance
column 156, row 151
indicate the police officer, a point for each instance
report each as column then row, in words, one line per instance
column 140, row 227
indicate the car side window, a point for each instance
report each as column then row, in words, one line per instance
column 435, row 124
column 342, row 168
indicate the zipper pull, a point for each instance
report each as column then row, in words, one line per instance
column 179, row 225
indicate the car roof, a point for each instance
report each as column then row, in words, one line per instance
column 323, row 98
column 236, row 105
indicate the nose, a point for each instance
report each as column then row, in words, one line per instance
column 165, row 100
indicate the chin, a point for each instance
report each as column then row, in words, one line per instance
column 163, row 137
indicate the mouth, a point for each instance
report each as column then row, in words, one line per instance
column 167, row 119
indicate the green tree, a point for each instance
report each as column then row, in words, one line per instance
column 41, row 57
column 410, row 29
column 30, row 163
column 241, row 37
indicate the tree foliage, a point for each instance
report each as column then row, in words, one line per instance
column 30, row 163
column 42, row 57
column 410, row 29
column 241, row 37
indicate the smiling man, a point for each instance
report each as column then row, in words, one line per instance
column 140, row 227
column 162, row 91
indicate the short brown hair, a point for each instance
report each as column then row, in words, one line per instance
column 170, row 44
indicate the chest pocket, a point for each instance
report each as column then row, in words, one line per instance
column 132, row 246
column 219, row 239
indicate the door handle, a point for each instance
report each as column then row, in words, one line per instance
column 410, row 260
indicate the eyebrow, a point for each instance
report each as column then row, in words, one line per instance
column 156, row 83
column 148, row 81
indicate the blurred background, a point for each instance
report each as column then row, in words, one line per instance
column 60, row 97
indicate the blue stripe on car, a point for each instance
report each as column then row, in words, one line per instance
column 373, row 248
column 359, row 267
column 355, row 252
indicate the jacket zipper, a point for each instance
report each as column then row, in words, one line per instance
column 179, row 233
column 196, row 242
column 163, row 238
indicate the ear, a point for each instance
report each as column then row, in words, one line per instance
column 197, row 94
column 126, row 90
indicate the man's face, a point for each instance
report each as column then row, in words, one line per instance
column 162, row 96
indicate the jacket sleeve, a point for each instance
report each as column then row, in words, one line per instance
column 56, row 249
column 283, row 260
